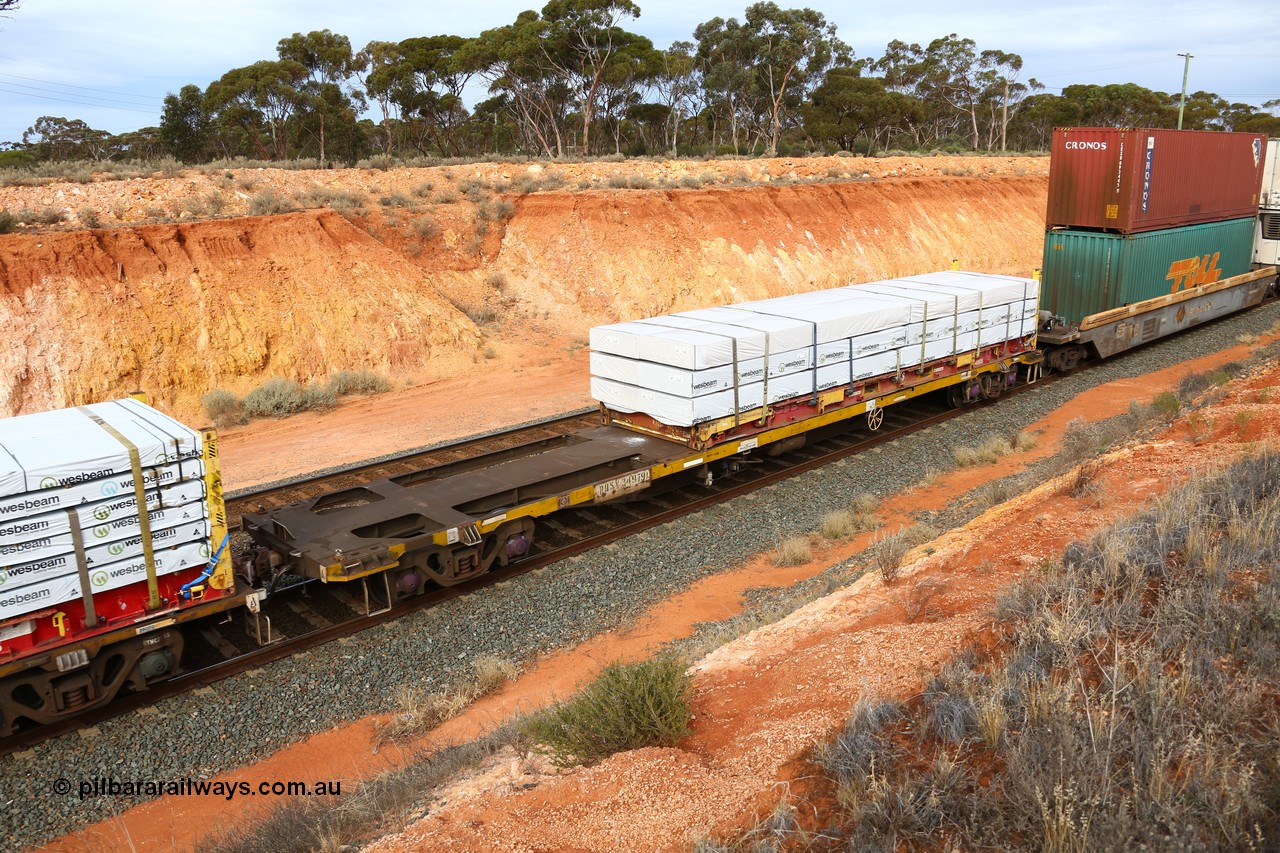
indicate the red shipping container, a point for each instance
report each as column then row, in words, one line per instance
column 1130, row 180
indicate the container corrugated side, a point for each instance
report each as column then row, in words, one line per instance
column 1086, row 272
column 1144, row 179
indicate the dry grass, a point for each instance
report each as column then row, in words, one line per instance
column 1130, row 704
column 986, row 453
column 793, row 551
column 418, row 711
column 889, row 550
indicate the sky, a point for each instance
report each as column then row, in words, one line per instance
column 111, row 64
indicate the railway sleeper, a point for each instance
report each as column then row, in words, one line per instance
column 454, row 564
column 73, row 681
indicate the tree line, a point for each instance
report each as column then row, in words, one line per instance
column 571, row 80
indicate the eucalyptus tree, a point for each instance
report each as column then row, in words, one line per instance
column 330, row 66
column 264, row 94
column 847, row 107
column 184, row 124
column 1119, row 105
column 965, row 92
column 628, row 76
column 793, row 48
column 725, row 56
column 677, row 85
column 584, row 42
column 428, row 86
column 513, row 60
column 378, row 67
column 58, row 138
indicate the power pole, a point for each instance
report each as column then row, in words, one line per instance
column 1182, row 101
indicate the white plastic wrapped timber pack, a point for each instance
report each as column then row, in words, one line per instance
column 56, row 590
column 69, row 501
column 813, row 341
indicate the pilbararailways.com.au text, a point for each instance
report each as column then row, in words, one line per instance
column 109, row 786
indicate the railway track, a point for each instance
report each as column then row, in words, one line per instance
column 302, row 615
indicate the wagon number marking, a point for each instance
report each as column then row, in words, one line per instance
column 627, row 483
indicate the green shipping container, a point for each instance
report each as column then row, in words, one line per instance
column 1086, row 272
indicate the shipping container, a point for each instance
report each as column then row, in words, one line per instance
column 1134, row 180
column 1086, row 272
column 1269, row 198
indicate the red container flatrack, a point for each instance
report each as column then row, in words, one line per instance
column 1128, row 180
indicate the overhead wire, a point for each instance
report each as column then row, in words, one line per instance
column 72, row 86
column 70, row 101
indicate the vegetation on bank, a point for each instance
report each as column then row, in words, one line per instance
column 279, row 397
column 1130, row 703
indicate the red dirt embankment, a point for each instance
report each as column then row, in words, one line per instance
column 464, row 279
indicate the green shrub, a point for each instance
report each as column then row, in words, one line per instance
column 89, row 217
column 278, row 397
column 8, row 222
column 1166, row 403
column 43, row 216
column 495, row 210
column 268, row 202
column 223, row 407
column 628, row 706
column 425, row 228
column 314, row 196
column 395, row 200
column 351, row 383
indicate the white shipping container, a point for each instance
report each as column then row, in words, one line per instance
column 57, row 590
column 15, row 530
column 67, row 447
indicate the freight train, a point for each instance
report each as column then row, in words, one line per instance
column 113, row 534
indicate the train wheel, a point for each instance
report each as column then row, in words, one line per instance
column 992, row 385
column 875, row 418
column 955, row 395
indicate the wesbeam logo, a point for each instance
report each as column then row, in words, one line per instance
column 1193, row 272
column 99, row 578
column 49, row 483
